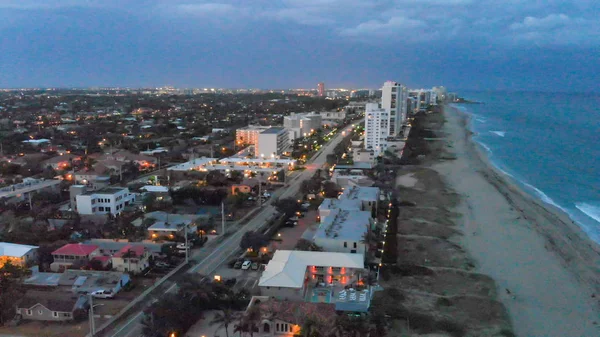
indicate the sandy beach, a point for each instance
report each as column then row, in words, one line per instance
column 550, row 267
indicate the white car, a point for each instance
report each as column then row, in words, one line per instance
column 246, row 265
column 182, row 246
column 103, row 294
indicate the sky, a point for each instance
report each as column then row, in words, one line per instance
column 550, row 45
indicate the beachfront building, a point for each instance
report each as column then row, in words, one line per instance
column 109, row 200
column 394, row 101
column 344, row 231
column 272, row 143
column 287, row 322
column 377, row 128
column 17, row 255
column 310, row 276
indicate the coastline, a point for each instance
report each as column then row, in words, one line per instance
column 546, row 260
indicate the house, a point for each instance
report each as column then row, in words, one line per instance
column 306, row 275
column 108, row 200
column 171, row 229
column 343, row 231
column 17, row 255
column 51, row 306
column 285, row 318
column 73, row 254
column 92, row 180
column 61, row 162
column 25, row 190
column 131, row 259
column 109, row 247
column 79, row 281
column 245, row 186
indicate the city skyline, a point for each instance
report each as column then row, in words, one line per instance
column 461, row 44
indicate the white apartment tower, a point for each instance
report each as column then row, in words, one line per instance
column 393, row 101
column 377, row 128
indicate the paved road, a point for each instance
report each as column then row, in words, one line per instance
column 222, row 253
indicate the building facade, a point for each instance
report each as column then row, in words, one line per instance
column 377, row 128
column 249, row 134
column 394, row 101
column 321, row 89
column 110, row 200
column 17, row 255
column 73, row 254
column 272, row 142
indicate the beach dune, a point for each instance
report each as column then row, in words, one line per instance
column 547, row 271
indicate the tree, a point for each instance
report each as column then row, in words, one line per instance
column 287, row 206
column 331, row 189
column 253, row 240
column 216, row 178
column 10, row 277
column 225, row 318
column 307, row 245
column 250, row 321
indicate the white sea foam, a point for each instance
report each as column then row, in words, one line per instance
column 487, row 148
column 499, row 133
column 545, row 198
column 590, row 210
column 481, row 120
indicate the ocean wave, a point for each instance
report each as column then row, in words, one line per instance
column 481, row 120
column 499, row 133
column 590, row 210
column 545, row 198
column 487, row 148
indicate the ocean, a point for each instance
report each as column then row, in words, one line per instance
column 549, row 143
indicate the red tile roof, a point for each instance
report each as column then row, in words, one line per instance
column 102, row 258
column 76, row 249
column 136, row 251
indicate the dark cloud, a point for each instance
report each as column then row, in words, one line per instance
column 264, row 43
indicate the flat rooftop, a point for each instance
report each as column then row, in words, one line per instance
column 361, row 193
column 106, row 190
column 273, row 130
column 344, row 225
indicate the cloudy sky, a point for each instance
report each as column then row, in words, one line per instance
column 463, row 44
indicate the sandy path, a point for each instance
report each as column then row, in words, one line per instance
column 499, row 227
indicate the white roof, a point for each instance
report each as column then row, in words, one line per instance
column 157, row 189
column 288, row 267
column 14, row 250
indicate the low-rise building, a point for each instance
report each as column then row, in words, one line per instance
column 73, row 254
column 91, row 179
column 17, row 255
column 51, row 306
column 282, row 318
column 131, row 259
column 304, row 275
column 79, row 281
column 25, row 190
column 343, row 231
column 109, row 200
column 171, row 230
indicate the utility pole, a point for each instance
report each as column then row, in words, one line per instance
column 187, row 248
column 91, row 313
column 222, row 218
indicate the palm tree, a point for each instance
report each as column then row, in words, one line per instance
column 250, row 321
column 311, row 327
column 224, row 319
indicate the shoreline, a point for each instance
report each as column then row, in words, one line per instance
column 534, row 249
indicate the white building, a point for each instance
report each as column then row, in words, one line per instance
column 343, row 231
column 377, row 128
column 272, row 142
column 289, row 274
column 110, row 200
column 249, row 134
column 354, row 198
column 302, row 125
column 393, row 101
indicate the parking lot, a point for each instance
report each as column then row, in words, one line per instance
column 289, row 236
column 247, row 279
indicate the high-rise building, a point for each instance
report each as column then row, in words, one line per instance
column 377, row 128
column 321, row 89
column 394, row 101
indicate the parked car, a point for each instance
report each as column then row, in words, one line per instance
column 300, row 214
column 161, row 264
column 291, row 223
column 182, row 246
column 294, row 218
column 254, row 266
column 246, row 265
column 103, row 294
column 237, row 264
